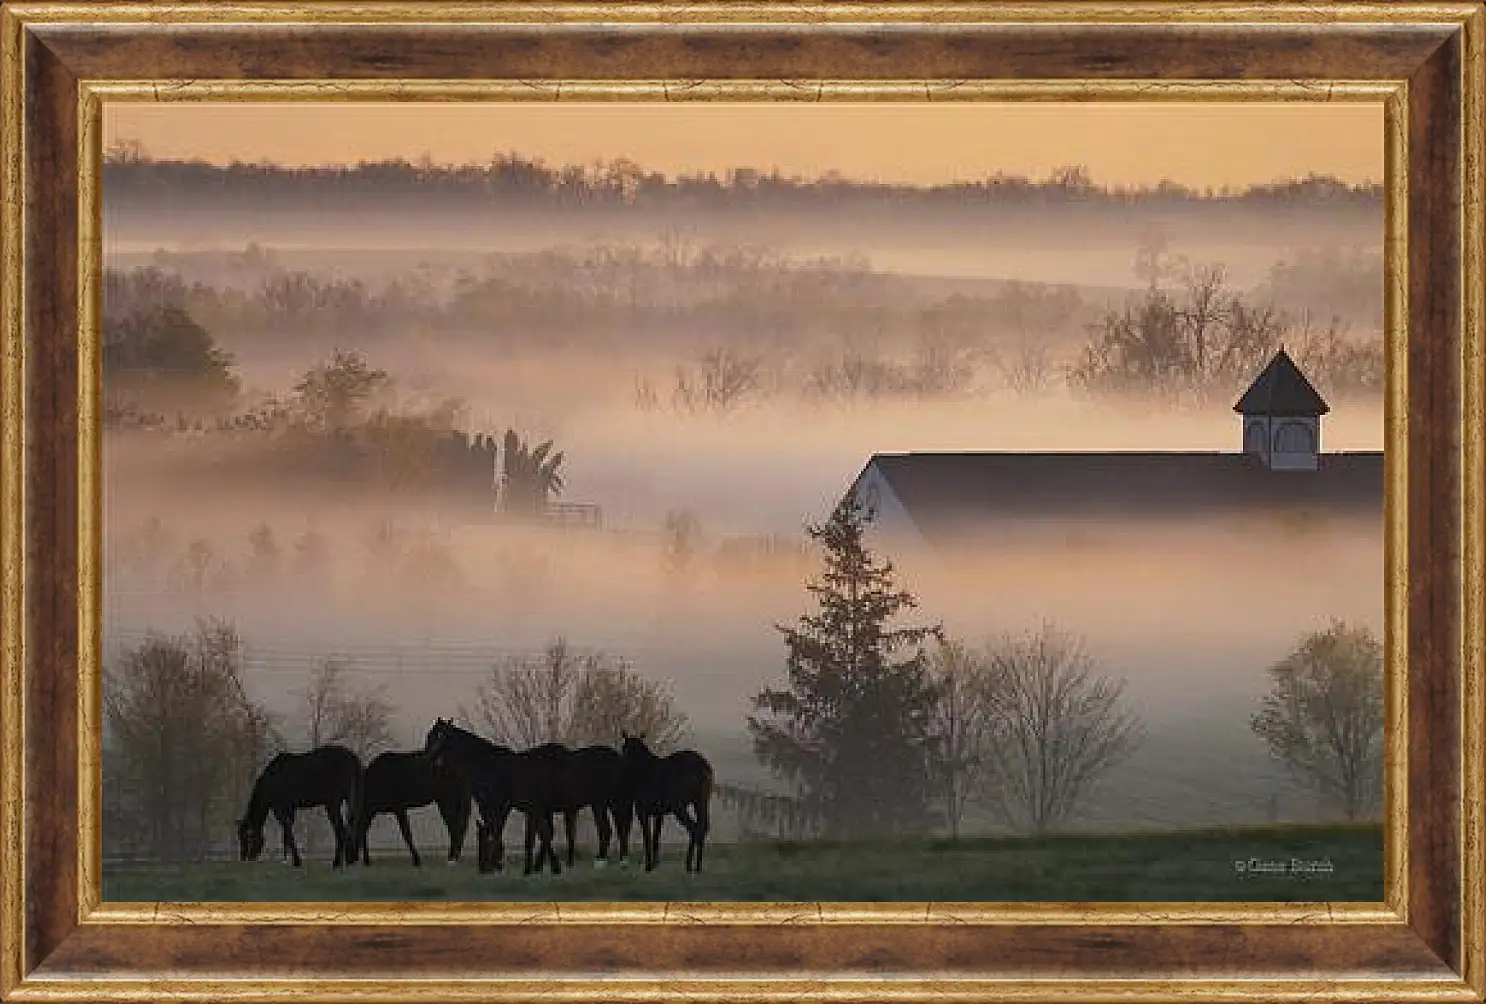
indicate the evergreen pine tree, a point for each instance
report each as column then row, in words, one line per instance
column 853, row 729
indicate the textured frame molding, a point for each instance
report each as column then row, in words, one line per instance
column 59, row 62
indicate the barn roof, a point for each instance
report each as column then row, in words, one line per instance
column 1282, row 390
column 949, row 492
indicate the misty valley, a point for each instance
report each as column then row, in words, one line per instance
column 575, row 455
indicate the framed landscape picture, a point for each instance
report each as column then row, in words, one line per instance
column 889, row 502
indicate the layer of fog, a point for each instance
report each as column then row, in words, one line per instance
column 1074, row 249
column 1191, row 616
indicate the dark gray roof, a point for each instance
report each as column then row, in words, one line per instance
column 963, row 491
column 1282, row 390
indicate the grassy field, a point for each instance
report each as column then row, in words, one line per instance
column 1195, row 866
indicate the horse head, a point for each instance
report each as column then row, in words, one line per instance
column 249, row 841
column 438, row 734
column 488, row 851
column 436, row 743
column 633, row 747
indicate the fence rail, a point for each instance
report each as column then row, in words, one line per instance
column 575, row 514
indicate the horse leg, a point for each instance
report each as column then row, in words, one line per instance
column 624, row 821
column 644, row 822
column 690, row 825
column 570, row 828
column 482, row 848
column 342, row 840
column 498, row 836
column 605, row 831
column 652, row 855
column 547, row 833
column 531, row 836
column 407, row 835
column 456, row 813
column 286, row 822
column 363, row 827
column 704, row 826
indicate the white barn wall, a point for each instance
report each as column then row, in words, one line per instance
column 891, row 523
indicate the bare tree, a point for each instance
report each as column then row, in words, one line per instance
column 200, row 568
column 1154, row 260
column 183, row 743
column 962, row 722
column 1059, row 726
column 578, row 699
column 612, row 699
column 646, row 396
column 526, row 701
column 126, row 151
column 335, row 712
column 682, row 533
column 312, row 555
column 1183, row 348
column 265, row 557
column 142, row 551
column 1026, row 367
column 1323, row 715
column 720, row 381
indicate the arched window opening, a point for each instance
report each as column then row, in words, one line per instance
column 1294, row 437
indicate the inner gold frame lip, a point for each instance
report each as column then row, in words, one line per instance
column 93, row 95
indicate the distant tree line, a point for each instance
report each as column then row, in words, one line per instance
column 828, row 331
column 198, row 569
column 339, row 420
column 655, row 296
column 1202, row 341
column 130, row 173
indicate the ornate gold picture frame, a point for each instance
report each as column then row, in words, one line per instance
column 63, row 61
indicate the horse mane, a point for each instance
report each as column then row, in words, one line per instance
column 464, row 735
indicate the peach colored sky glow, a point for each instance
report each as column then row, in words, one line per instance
column 1205, row 144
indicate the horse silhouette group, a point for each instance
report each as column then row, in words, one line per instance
column 457, row 769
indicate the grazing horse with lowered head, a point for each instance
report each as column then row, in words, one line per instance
column 398, row 781
column 501, row 780
column 679, row 784
column 327, row 776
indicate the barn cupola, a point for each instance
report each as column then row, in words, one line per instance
column 1282, row 417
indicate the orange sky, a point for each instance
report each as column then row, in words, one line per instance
column 1194, row 144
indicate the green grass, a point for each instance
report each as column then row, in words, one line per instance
column 1191, row 866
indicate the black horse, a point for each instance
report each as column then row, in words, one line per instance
column 501, row 780
column 397, row 782
column 490, row 851
column 671, row 784
column 327, row 776
column 595, row 779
